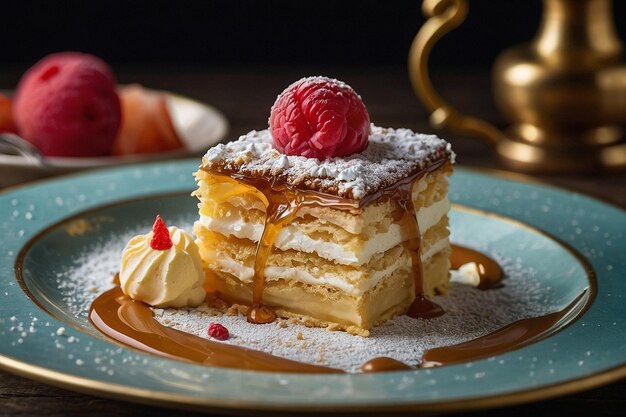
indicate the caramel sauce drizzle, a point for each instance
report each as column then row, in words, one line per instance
column 384, row 364
column 489, row 271
column 402, row 195
column 282, row 202
column 512, row 336
column 132, row 323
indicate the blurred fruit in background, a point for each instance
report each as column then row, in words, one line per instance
column 146, row 123
column 66, row 105
column 6, row 118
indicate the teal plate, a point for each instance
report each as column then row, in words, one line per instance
column 572, row 244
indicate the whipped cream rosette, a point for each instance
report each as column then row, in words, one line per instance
column 163, row 268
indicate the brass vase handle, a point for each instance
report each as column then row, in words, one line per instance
column 443, row 16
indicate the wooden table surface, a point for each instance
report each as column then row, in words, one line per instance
column 245, row 97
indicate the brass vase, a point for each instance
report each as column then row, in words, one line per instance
column 564, row 93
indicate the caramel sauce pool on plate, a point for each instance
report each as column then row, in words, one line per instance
column 132, row 323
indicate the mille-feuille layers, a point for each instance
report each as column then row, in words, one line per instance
column 343, row 248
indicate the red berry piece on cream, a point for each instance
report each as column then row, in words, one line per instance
column 217, row 331
column 161, row 239
column 319, row 117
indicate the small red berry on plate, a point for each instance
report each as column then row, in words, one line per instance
column 319, row 117
column 161, row 239
column 217, row 331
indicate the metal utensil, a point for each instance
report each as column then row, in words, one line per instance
column 15, row 145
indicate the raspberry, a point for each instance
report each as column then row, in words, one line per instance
column 66, row 105
column 319, row 117
column 217, row 331
column 161, row 239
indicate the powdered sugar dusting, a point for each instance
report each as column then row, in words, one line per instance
column 392, row 154
column 316, row 79
column 92, row 272
column 469, row 313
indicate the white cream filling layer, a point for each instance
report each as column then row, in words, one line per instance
column 275, row 273
column 428, row 217
column 244, row 273
column 435, row 248
column 290, row 237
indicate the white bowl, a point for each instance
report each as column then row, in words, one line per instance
column 198, row 125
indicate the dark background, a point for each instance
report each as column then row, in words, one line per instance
column 262, row 33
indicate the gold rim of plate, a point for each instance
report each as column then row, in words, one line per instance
column 181, row 401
